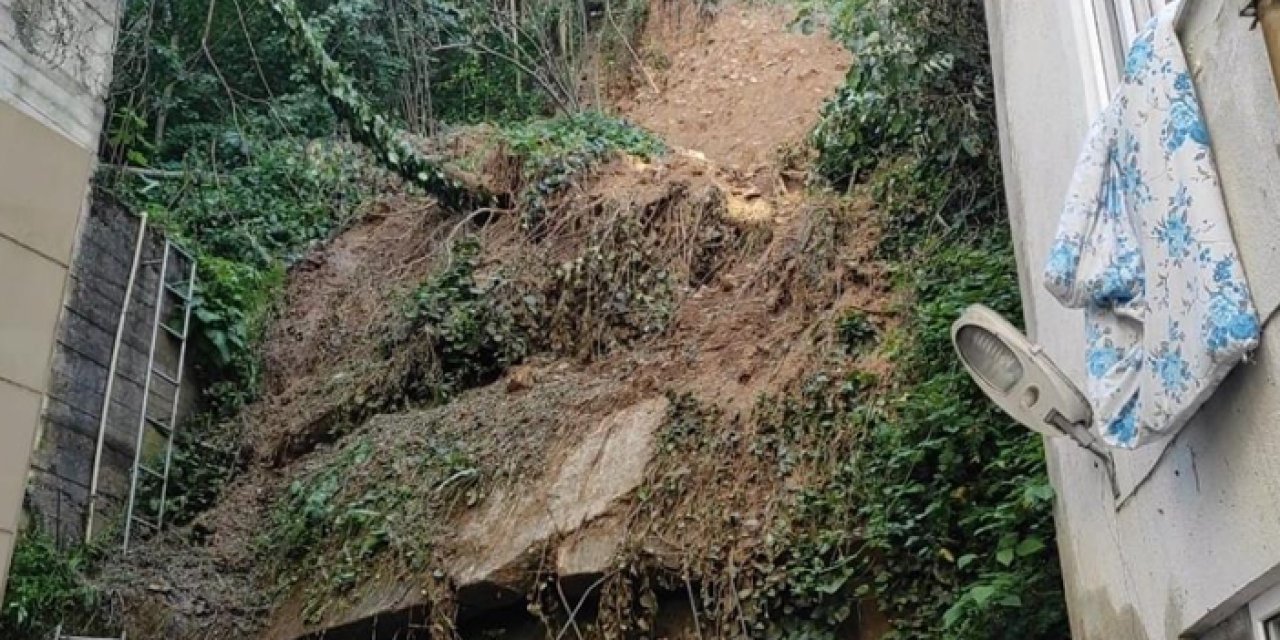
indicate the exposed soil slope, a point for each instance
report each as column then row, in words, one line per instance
column 739, row 89
column 706, row 274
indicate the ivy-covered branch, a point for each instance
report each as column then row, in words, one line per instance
column 371, row 128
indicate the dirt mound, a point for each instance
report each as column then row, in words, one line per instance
column 354, row 277
column 738, row 89
column 734, row 304
column 421, row 473
column 338, row 303
column 650, row 301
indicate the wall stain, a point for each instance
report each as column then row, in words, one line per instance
column 1100, row 618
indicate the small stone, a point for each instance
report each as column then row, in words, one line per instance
column 521, row 378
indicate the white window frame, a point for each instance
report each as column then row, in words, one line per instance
column 1105, row 28
column 1262, row 610
column 1132, row 15
column 1093, row 62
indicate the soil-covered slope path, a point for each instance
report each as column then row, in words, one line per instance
column 739, row 90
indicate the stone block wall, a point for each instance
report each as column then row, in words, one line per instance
column 62, row 465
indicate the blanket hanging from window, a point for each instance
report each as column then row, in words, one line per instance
column 1144, row 246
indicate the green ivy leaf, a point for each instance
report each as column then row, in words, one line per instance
column 219, row 340
column 1005, row 557
column 982, row 594
column 1011, row 600
column 1029, row 546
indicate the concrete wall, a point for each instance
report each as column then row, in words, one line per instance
column 55, row 62
column 1196, row 532
column 53, row 70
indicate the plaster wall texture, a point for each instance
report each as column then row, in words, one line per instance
column 55, row 62
column 1195, row 534
column 54, row 66
column 42, row 191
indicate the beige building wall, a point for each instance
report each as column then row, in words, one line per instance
column 54, row 66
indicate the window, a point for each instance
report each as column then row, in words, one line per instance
column 1105, row 28
column 1129, row 16
column 1264, row 612
column 1272, row 628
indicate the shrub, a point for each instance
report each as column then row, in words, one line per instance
column 954, row 509
column 555, row 151
column 916, row 109
column 955, row 503
column 46, row 585
column 474, row 337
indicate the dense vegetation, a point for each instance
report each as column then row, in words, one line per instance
column 46, row 585
column 235, row 113
column 938, row 510
column 953, row 502
column 221, row 131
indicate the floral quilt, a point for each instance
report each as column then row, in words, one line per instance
column 1144, row 247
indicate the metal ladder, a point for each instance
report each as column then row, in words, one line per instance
column 179, row 294
column 104, row 419
column 58, row 635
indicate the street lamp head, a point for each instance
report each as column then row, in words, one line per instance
column 1017, row 375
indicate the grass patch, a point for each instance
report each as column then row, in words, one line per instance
column 47, row 586
column 555, row 152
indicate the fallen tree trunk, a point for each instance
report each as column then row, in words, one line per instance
column 370, row 128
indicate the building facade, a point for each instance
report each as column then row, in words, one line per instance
column 55, row 58
column 1191, row 547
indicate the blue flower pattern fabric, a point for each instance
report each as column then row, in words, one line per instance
column 1144, row 246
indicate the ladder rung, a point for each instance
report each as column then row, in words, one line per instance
column 148, row 470
column 161, row 426
column 178, row 292
column 164, row 376
column 145, row 522
column 180, row 251
column 181, row 335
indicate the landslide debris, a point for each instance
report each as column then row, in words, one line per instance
column 559, row 418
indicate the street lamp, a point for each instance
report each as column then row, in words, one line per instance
column 1024, row 382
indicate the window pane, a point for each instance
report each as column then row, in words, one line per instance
column 1143, row 10
column 1273, row 628
column 1111, row 44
